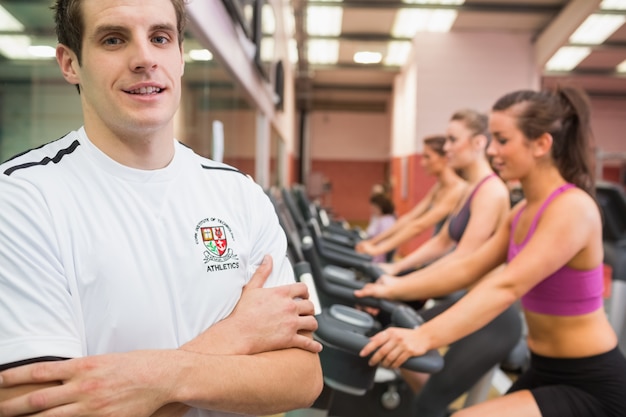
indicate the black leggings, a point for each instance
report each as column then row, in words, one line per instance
column 467, row 360
column 582, row 387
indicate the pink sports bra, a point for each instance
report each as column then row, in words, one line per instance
column 568, row 291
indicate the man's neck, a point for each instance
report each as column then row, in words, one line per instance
column 147, row 151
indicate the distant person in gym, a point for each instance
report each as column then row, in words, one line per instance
column 483, row 208
column 138, row 278
column 431, row 211
column 383, row 216
column 552, row 246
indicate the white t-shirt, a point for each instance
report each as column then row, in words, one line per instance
column 97, row 257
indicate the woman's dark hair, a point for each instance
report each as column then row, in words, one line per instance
column 564, row 113
column 383, row 202
column 436, row 143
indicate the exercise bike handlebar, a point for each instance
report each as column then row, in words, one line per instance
column 430, row 362
column 402, row 316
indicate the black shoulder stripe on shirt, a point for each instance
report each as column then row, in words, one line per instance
column 32, row 149
column 223, row 169
column 29, row 361
column 45, row 161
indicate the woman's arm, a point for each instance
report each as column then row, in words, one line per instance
column 442, row 278
column 489, row 211
column 417, row 210
column 437, row 213
column 433, row 248
column 568, row 233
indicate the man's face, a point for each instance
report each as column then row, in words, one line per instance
column 130, row 77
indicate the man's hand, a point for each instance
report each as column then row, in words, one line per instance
column 106, row 385
column 263, row 320
column 120, row 385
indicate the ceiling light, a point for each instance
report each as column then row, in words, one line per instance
column 267, row 49
column 42, row 51
column 8, row 23
column 597, row 28
column 323, row 51
column 409, row 21
column 397, row 53
column 324, row 20
column 567, row 58
column 367, row 57
column 15, row 46
column 622, row 67
column 200, row 55
column 268, row 20
column 613, row 5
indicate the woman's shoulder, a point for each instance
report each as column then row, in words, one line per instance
column 492, row 188
column 574, row 202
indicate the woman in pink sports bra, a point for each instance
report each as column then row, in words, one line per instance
column 551, row 246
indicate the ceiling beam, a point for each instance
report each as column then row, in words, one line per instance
column 586, row 72
column 561, row 28
column 509, row 7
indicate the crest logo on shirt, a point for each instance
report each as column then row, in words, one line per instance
column 214, row 236
column 214, row 239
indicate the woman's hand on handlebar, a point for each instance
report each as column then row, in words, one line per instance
column 393, row 346
column 364, row 246
column 379, row 289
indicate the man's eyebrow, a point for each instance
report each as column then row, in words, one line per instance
column 164, row 26
column 103, row 29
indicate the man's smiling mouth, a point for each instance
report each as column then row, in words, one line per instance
column 145, row 90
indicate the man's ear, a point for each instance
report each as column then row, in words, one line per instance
column 542, row 145
column 68, row 62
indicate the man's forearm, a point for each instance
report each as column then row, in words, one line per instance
column 261, row 384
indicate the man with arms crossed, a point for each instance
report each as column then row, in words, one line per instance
column 136, row 277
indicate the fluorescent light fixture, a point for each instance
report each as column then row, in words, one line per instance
column 267, row 49
column 8, row 23
column 597, row 28
column 397, row 53
column 410, row 21
column 324, row 20
column 323, row 51
column 613, row 5
column 367, row 57
column 200, row 55
column 15, row 46
column 567, row 58
column 268, row 20
column 42, row 51
column 622, row 67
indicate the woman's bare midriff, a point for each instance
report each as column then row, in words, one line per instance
column 570, row 336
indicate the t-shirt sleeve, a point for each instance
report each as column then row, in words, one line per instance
column 269, row 239
column 36, row 307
